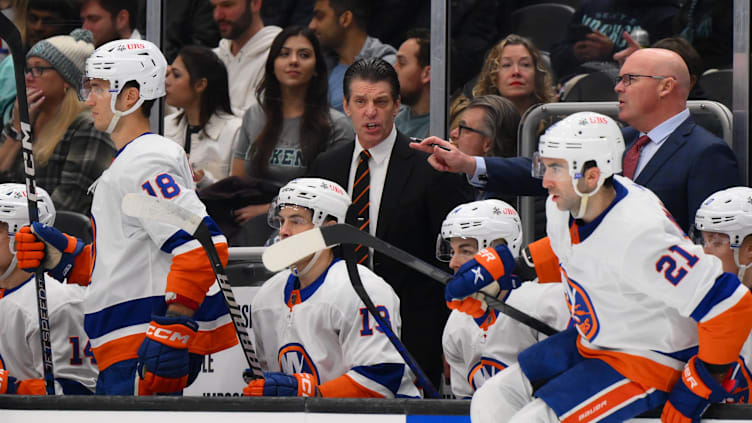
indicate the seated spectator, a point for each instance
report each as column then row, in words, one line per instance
column 207, row 129
column 340, row 26
column 596, row 32
column 243, row 48
column 69, row 153
column 44, row 19
column 515, row 69
column 109, row 20
column 413, row 68
column 479, row 345
column 487, row 127
column 284, row 13
column 292, row 122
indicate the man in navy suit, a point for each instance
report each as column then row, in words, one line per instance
column 404, row 203
column 680, row 161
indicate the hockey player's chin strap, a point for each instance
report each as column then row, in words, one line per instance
column 584, row 197
column 117, row 113
column 742, row 267
column 314, row 259
column 13, row 262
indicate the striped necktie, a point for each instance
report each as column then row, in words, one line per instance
column 361, row 200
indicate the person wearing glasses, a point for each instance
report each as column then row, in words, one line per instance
column 69, row 152
column 681, row 162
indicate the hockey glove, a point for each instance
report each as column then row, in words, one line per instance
column 277, row 384
column 489, row 265
column 693, row 393
column 9, row 385
column 45, row 246
column 163, row 359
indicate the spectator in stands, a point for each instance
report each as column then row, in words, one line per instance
column 284, row 13
column 677, row 159
column 413, row 68
column 340, row 26
column 189, row 23
column 515, row 69
column 69, row 153
column 292, row 122
column 596, row 32
column 709, row 26
column 244, row 47
column 44, row 19
column 206, row 127
column 109, row 20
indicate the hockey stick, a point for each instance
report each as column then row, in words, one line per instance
column 352, row 271
column 294, row 248
column 153, row 208
column 10, row 34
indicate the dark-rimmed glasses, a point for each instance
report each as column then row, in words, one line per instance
column 463, row 127
column 628, row 78
column 37, row 71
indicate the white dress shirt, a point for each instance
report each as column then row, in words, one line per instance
column 657, row 136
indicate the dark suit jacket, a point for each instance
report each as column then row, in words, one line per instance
column 415, row 201
column 689, row 166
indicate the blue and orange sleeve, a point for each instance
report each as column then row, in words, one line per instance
column 346, row 387
column 191, row 274
column 721, row 338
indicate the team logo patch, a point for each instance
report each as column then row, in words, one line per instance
column 483, row 370
column 581, row 308
column 293, row 358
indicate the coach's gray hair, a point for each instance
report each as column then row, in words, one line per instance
column 501, row 120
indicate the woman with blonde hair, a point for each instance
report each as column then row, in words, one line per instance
column 69, row 152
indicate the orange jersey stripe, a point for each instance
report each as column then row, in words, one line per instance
column 83, row 265
column 641, row 370
column 606, row 402
column 345, row 387
column 117, row 350
column 191, row 273
column 210, row 342
column 722, row 337
column 545, row 261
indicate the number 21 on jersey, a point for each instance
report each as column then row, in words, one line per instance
column 165, row 184
column 674, row 264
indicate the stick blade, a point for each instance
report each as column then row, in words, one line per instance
column 147, row 207
column 291, row 250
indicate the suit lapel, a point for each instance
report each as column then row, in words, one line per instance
column 397, row 177
column 666, row 151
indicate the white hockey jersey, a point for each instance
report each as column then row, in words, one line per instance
column 637, row 286
column 132, row 257
column 474, row 355
column 330, row 332
column 20, row 350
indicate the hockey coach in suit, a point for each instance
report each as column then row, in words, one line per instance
column 400, row 199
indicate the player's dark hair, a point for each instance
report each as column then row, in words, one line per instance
column 146, row 105
column 201, row 62
column 360, row 10
column 113, row 7
column 608, row 182
column 423, row 37
column 372, row 70
column 315, row 124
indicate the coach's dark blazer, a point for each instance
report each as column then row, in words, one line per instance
column 689, row 166
column 415, row 200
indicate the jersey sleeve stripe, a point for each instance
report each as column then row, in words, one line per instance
column 722, row 337
column 388, row 375
column 119, row 349
column 724, row 287
column 212, row 308
column 210, row 342
column 181, row 237
column 346, row 387
column 545, row 261
column 128, row 313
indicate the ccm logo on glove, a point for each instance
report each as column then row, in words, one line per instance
column 171, row 336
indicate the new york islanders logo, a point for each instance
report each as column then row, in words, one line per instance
column 483, row 370
column 293, row 358
column 581, row 308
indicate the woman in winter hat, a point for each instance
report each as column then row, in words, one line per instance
column 68, row 151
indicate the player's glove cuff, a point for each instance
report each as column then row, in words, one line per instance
column 694, row 392
column 489, row 265
column 8, row 384
column 46, row 247
column 164, row 363
column 277, row 384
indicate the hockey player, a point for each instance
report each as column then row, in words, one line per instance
column 480, row 342
column 20, row 352
column 152, row 309
column 314, row 336
column 656, row 319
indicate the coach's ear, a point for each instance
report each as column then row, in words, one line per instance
column 329, row 223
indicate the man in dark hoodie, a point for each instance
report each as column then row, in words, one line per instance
column 596, row 30
column 340, row 26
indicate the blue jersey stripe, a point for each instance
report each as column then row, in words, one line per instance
column 181, row 237
column 129, row 313
column 212, row 308
column 387, row 374
column 723, row 288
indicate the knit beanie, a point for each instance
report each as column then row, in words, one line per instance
column 67, row 54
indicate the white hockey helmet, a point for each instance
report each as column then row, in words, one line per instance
column 728, row 212
column 122, row 61
column 485, row 221
column 321, row 196
column 14, row 207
